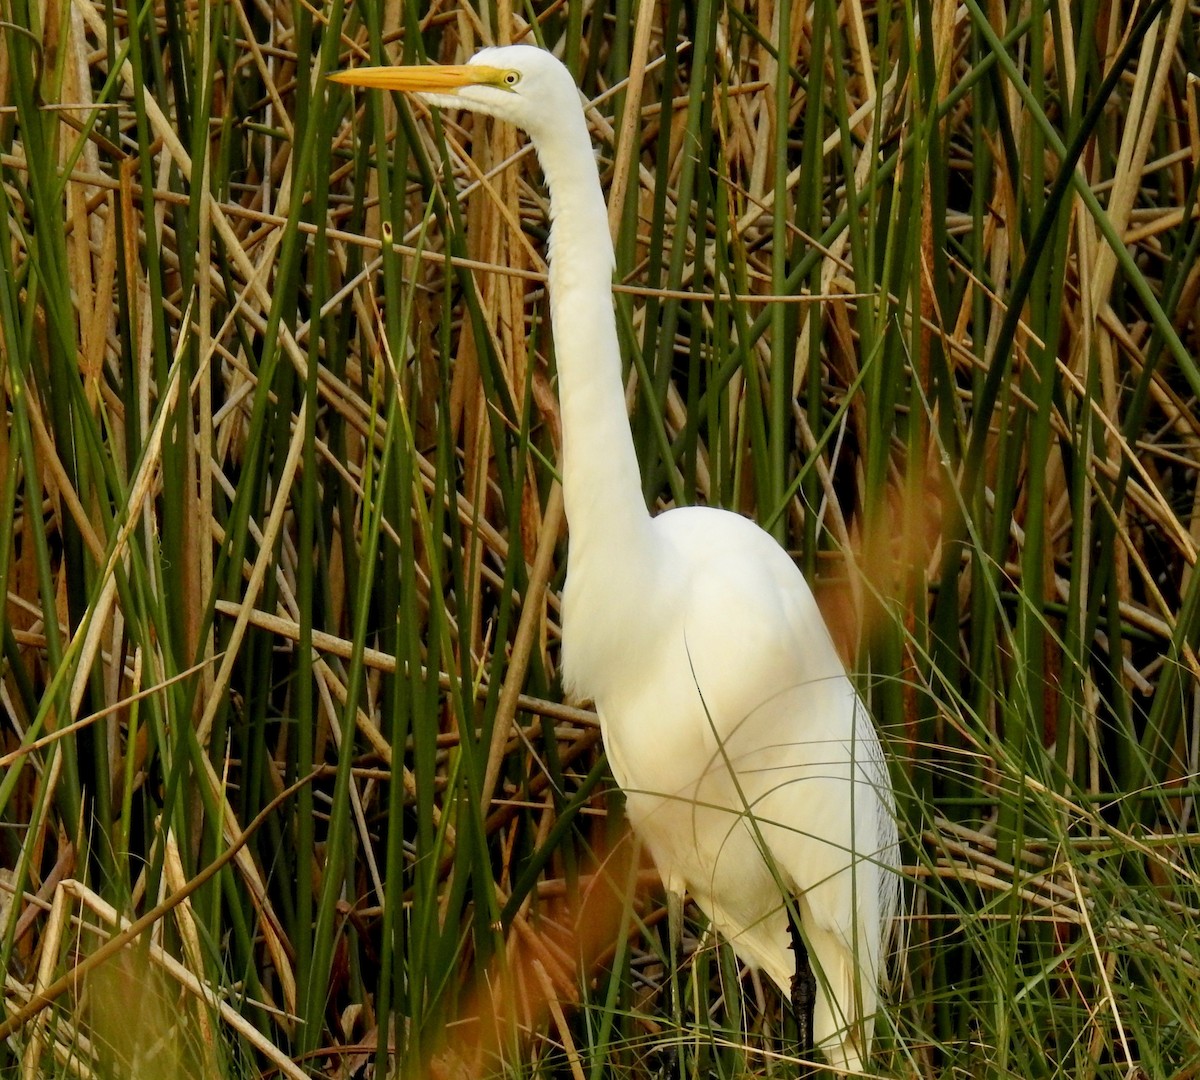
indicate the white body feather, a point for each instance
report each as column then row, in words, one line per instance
column 750, row 767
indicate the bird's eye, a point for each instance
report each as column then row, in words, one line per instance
column 511, row 78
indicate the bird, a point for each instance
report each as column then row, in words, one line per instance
column 751, row 770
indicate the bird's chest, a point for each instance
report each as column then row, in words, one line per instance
column 662, row 686
column 661, row 732
column 608, row 633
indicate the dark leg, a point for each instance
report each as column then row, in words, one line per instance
column 673, row 1062
column 804, row 997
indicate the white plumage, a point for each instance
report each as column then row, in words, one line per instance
column 750, row 767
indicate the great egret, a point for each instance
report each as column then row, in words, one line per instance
column 751, row 770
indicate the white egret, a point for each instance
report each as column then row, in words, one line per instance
column 751, row 770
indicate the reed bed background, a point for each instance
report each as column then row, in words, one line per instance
column 288, row 785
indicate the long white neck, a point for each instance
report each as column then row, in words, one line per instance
column 601, row 481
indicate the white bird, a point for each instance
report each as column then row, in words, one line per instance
column 750, row 767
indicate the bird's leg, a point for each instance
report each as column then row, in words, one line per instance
column 675, row 951
column 804, row 994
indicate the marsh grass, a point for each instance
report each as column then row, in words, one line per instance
column 288, row 787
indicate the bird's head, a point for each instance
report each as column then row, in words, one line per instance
column 521, row 84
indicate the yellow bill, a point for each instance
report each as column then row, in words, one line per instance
column 427, row 78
